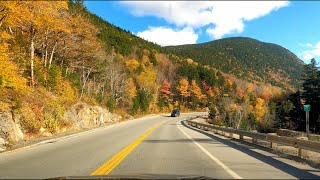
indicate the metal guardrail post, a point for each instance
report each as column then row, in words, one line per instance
column 254, row 140
column 241, row 137
column 302, row 152
column 230, row 133
column 222, row 132
column 273, row 144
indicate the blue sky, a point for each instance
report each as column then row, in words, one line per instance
column 293, row 25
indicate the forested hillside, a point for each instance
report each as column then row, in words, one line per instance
column 56, row 54
column 247, row 59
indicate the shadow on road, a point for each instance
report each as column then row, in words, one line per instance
column 166, row 116
column 296, row 172
column 179, row 141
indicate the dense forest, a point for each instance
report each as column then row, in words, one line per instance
column 56, row 54
column 248, row 59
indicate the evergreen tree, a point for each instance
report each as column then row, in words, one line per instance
column 311, row 93
column 311, row 82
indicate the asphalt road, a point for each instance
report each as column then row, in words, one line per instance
column 155, row 146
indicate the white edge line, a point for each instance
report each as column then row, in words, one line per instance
column 225, row 167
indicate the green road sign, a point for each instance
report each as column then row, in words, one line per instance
column 306, row 107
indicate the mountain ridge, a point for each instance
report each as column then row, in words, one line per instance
column 235, row 55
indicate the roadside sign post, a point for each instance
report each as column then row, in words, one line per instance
column 307, row 108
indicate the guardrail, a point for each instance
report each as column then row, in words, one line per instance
column 301, row 144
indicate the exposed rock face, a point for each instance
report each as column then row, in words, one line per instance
column 9, row 130
column 44, row 132
column 83, row 115
column 2, row 144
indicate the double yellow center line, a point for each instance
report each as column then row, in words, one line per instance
column 116, row 159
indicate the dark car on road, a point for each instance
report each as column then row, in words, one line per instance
column 175, row 113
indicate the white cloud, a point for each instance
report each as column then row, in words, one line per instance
column 223, row 17
column 180, row 13
column 167, row 36
column 305, row 44
column 312, row 53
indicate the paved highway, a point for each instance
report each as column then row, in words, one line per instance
column 155, row 146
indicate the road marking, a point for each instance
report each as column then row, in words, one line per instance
column 225, row 167
column 73, row 135
column 116, row 159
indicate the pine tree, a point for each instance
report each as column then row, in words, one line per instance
column 311, row 93
column 311, row 82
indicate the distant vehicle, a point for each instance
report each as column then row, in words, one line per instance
column 175, row 113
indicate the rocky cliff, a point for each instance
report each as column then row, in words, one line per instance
column 78, row 116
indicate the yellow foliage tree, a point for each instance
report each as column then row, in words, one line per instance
column 259, row 108
column 195, row 89
column 132, row 64
column 33, row 18
column 147, row 81
column 131, row 88
column 10, row 76
column 249, row 87
column 183, row 88
column 145, row 59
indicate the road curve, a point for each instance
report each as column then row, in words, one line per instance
column 167, row 146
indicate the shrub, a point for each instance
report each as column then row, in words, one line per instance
column 111, row 104
column 55, row 77
column 244, row 124
column 50, row 123
column 28, row 120
column 66, row 92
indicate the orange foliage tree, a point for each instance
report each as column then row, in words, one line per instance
column 208, row 89
column 165, row 90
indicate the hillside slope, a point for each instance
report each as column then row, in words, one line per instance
column 248, row 59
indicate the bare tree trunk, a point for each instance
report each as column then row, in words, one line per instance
column 52, row 52
column 32, row 57
column 102, row 92
column 94, row 85
column 46, row 49
column 85, row 78
column 10, row 29
column 42, row 52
